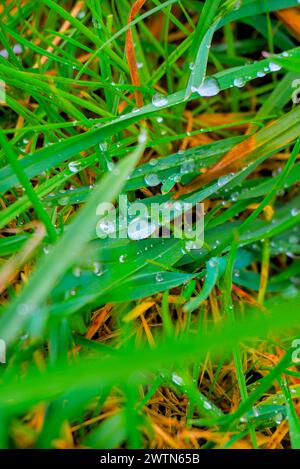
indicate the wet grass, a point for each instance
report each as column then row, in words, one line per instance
column 147, row 343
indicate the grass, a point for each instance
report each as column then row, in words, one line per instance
column 114, row 343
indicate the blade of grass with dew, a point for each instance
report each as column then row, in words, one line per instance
column 48, row 157
column 71, row 243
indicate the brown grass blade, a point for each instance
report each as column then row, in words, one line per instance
column 130, row 53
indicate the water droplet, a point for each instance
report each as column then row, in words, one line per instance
column 76, row 271
column 213, row 262
column 239, row 82
column 4, row 53
column 276, row 172
column 153, row 162
column 152, row 180
column 207, row 405
column 237, row 5
column 97, row 269
column 295, row 211
column 17, row 49
column 159, row 100
column 190, row 245
column 142, row 137
column 224, row 179
column 103, row 146
column 217, row 243
column 159, row 277
column 274, row 67
column 63, row 200
column 177, row 379
column 187, row 166
column 280, row 192
column 278, row 418
column 210, row 87
column 110, row 166
column 261, row 74
column 106, row 226
column 122, row 258
column 74, row 166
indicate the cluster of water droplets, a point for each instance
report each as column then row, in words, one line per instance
column 188, row 166
column 93, row 266
column 240, row 81
column 17, row 50
column 223, row 180
column 258, row 413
